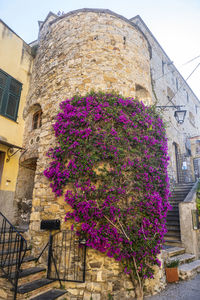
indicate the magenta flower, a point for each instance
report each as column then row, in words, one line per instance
column 113, row 152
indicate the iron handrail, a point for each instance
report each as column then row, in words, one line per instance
column 13, row 247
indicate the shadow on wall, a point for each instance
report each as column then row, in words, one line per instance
column 24, row 191
column 142, row 94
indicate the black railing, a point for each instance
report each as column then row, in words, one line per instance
column 67, row 257
column 13, row 248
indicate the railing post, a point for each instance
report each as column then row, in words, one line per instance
column 49, row 254
column 84, row 262
column 15, row 245
column 18, row 265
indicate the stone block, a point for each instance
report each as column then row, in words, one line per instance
column 95, row 265
column 3, row 294
column 96, row 297
column 73, row 291
column 99, row 276
column 35, row 216
column 87, row 295
column 128, row 285
column 94, row 287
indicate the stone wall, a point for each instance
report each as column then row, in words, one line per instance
column 27, row 169
column 24, row 192
column 169, row 88
column 6, row 200
column 5, row 288
column 106, row 281
column 79, row 52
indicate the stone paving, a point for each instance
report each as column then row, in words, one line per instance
column 183, row 290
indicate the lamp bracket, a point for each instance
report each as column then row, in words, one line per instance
column 11, row 153
column 170, row 106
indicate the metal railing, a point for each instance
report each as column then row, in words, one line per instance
column 67, row 257
column 13, row 248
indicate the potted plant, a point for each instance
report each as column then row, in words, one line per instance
column 171, row 270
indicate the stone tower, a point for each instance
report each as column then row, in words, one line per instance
column 80, row 51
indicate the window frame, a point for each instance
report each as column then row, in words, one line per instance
column 39, row 120
column 6, row 93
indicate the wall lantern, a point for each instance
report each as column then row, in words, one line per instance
column 178, row 114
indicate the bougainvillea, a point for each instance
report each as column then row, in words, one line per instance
column 113, row 152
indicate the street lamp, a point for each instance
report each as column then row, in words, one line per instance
column 178, row 114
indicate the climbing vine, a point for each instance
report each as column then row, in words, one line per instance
column 112, row 152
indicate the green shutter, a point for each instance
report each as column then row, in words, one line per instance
column 3, row 81
column 10, row 91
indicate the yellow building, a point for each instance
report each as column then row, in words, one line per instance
column 15, row 70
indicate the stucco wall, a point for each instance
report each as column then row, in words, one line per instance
column 15, row 60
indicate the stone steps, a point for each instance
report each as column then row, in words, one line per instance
column 173, row 227
column 173, row 251
column 173, row 233
column 6, row 252
column 183, row 258
column 173, row 223
column 173, row 213
column 174, row 209
column 32, row 282
column 50, row 295
column 173, row 243
column 188, row 266
column 34, row 285
column 172, row 218
column 30, row 274
column 173, row 236
column 189, row 270
column 26, row 261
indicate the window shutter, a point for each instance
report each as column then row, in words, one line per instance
column 10, row 91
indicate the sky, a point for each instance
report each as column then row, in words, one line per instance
column 174, row 23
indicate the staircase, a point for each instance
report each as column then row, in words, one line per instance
column 32, row 282
column 173, row 236
column 188, row 266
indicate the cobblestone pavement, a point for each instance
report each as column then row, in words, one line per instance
column 183, row 290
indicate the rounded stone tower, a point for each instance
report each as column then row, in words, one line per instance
column 77, row 52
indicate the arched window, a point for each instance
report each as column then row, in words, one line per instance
column 37, row 119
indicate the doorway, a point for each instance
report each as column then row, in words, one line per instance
column 24, row 191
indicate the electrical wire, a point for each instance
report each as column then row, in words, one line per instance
column 189, row 61
column 170, row 100
column 172, row 71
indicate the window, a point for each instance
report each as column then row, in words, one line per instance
column 197, row 147
column 37, row 120
column 2, row 156
column 187, row 96
column 163, row 67
column 177, row 84
column 10, row 91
